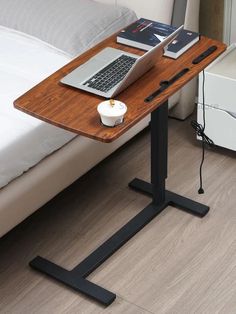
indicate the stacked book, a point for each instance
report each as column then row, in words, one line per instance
column 145, row 34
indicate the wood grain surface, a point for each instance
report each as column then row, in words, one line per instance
column 76, row 110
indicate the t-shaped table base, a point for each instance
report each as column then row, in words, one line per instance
column 161, row 198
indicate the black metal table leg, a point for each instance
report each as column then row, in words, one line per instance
column 161, row 198
column 159, row 148
column 173, row 199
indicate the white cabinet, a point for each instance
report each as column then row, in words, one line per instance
column 220, row 126
column 220, row 99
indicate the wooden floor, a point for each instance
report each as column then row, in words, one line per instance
column 178, row 264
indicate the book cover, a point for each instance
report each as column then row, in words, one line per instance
column 145, row 34
column 182, row 43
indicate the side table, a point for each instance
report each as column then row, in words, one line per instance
column 75, row 110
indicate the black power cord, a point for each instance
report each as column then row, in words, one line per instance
column 200, row 131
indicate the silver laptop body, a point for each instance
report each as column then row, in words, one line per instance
column 85, row 76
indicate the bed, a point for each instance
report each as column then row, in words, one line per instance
column 37, row 160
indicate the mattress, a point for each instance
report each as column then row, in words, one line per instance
column 24, row 62
column 70, row 25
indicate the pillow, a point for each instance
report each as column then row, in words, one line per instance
column 70, row 25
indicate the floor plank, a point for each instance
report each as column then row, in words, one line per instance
column 176, row 264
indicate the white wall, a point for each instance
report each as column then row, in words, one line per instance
column 160, row 10
column 233, row 22
column 230, row 21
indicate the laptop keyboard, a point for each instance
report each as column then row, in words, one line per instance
column 112, row 74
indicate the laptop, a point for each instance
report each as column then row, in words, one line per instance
column 112, row 70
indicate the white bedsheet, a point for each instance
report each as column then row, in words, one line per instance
column 24, row 140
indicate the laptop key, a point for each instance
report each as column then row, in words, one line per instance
column 112, row 74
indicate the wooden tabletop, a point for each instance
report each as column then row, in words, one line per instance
column 76, row 110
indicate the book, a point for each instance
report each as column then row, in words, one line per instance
column 185, row 40
column 145, row 34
